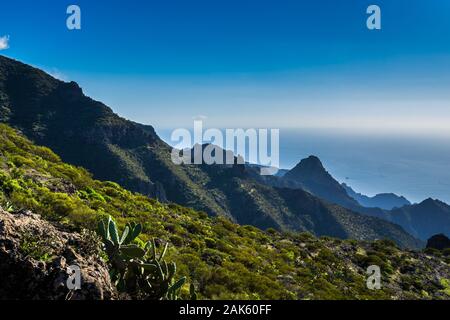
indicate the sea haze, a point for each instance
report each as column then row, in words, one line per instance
column 412, row 165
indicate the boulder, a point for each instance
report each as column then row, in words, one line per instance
column 439, row 242
column 36, row 259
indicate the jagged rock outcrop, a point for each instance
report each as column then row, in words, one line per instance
column 35, row 256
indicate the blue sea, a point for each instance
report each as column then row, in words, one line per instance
column 415, row 166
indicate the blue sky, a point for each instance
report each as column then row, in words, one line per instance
column 244, row 63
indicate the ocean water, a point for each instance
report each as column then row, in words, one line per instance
column 412, row 165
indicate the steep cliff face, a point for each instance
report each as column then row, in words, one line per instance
column 35, row 257
column 83, row 131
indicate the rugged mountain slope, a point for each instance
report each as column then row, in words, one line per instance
column 386, row 201
column 87, row 133
column 268, row 206
column 224, row 260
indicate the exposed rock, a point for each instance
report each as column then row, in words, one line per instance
column 439, row 241
column 35, row 257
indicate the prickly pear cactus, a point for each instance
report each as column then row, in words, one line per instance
column 141, row 272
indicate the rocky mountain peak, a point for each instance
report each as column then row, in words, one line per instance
column 308, row 168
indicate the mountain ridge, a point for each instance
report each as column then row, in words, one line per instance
column 423, row 219
column 386, row 201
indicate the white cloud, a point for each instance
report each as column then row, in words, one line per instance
column 4, row 43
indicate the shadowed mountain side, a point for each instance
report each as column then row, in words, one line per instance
column 423, row 220
column 343, row 223
column 85, row 132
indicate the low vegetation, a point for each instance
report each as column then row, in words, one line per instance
column 221, row 259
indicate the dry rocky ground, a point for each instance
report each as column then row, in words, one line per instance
column 35, row 256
